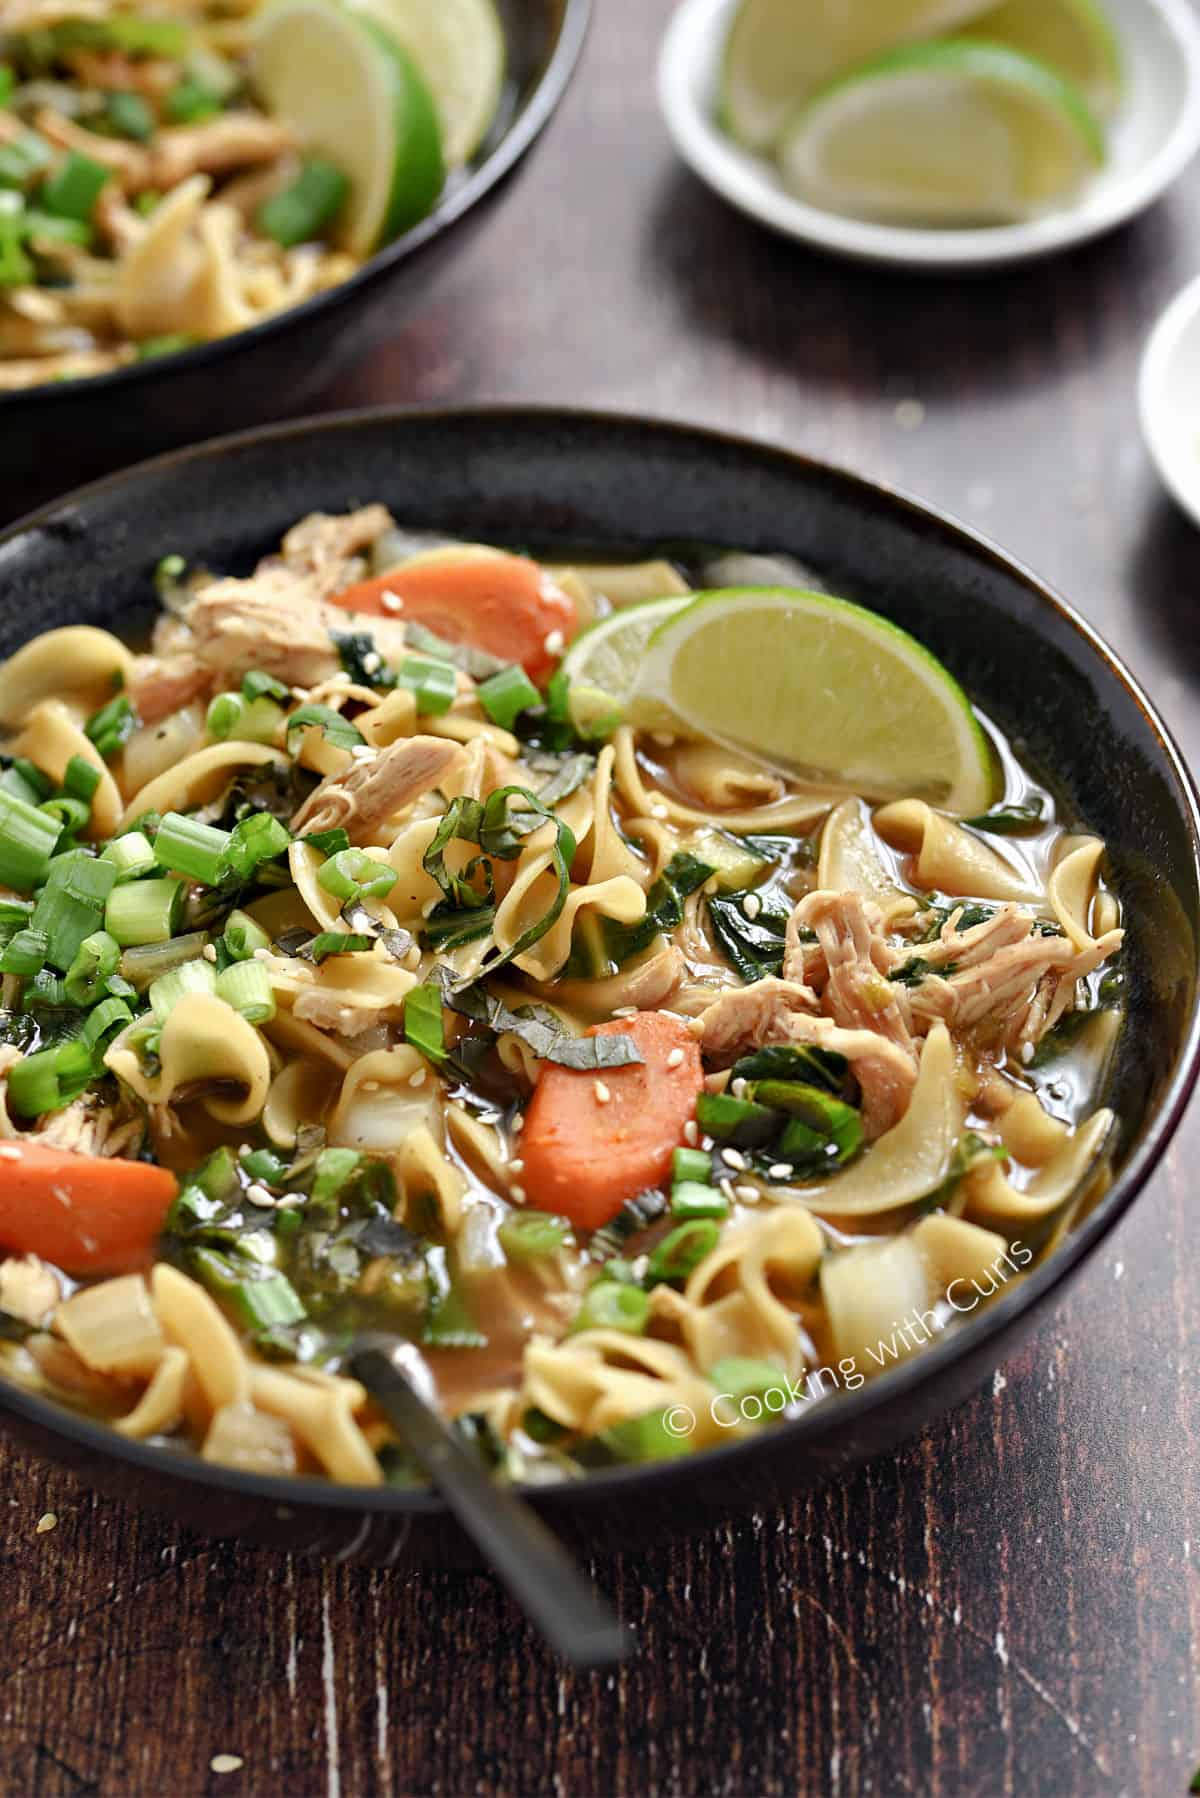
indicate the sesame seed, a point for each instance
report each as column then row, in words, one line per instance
column 391, row 602
column 658, row 809
column 696, row 1026
column 749, row 1195
column 1027, row 1053
column 706, row 1142
column 226, row 1763
column 664, row 738
column 675, row 1058
column 603, row 1094
column 732, row 1158
column 554, row 643
column 625, row 1011
column 10, row 1152
column 62, row 1195
column 691, row 1133
column 738, row 1088
column 290, row 1202
column 209, row 952
column 726, row 1186
column 258, row 1195
column 372, row 660
column 341, row 679
column 516, row 1166
column 780, row 1170
column 430, row 906
column 262, row 955
column 413, row 959
column 370, row 1086
column 518, row 1123
column 517, row 1194
column 909, row 414
column 751, row 905
column 47, row 1521
column 417, row 1079
column 301, row 692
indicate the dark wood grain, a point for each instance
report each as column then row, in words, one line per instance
column 1010, row 1605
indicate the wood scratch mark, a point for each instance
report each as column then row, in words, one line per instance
column 329, row 1684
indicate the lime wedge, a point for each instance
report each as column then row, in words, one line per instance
column 1073, row 36
column 779, row 52
column 948, row 133
column 353, row 95
column 458, row 46
column 609, row 655
column 821, row 687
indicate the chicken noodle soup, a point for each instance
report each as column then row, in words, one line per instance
column 153, row 198
column 361, row 972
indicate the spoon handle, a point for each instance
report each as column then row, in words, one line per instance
column 525, row 1555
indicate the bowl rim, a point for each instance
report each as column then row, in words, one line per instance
column 455, row 200
column 970, row 1336
column 1178, row 320
column 734, row 174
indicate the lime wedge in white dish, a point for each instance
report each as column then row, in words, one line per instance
column 353, row 95
column 609, row 654
column 949, row 133
column 1073, row 36
column 779, row 52
column 459, row 48
column 820, row 687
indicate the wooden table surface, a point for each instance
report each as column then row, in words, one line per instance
column 1011, row 1605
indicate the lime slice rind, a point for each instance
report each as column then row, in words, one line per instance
column 1073, row 37
column 821, row 687
column 460, row 50
column 610, row 654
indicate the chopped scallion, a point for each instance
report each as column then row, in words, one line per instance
column 144, row 911
column 28, row 838
column 190, row 977
column 353, row 874
column 506, row 695
column 132, row 855
column 434, row 684
column 682, row 1251
column 24, row 953
column 300, row 212
column 243, row 936
column 72, row 189
column 97, row 957
column 255, row 840
column 50, row 1079
column 691, row 1164
column 532, row 1235
column 691, row 1198
column 609, row 1306
column 81, row 779
column 246, row 985
column 186, row 846
column 104, row 1023
column 111, row 726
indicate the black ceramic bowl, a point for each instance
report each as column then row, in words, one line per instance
column 272, row 370
column 574, row 479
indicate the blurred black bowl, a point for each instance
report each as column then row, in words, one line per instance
column 54, row 436
column 565, row 480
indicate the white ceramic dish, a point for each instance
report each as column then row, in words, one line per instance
column 1153, row 139
column 1169, row 398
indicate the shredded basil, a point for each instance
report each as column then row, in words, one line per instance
column 1011, row 820
column 333, row 727
column 539, row 1028
column 478, row 663
column 754, row 946
column 356, row 649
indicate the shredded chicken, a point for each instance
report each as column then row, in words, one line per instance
column 86, row 1127
column 162, row 685
column 28, row 1290
column 857, row 993
column 274, row 622
column 782, row 1011
column 326, row 545
column 1007, row 986
column 365, row 795
column 235, row 140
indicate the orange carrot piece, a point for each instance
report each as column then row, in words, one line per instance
column 585, row 1154
column 504, row 604
column 85, row 1214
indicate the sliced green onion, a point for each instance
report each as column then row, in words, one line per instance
column 260, row 1300
column 608, row 1306
column 136, row 36
column 328, row 842
column 334, row 1169
column 34, row 778
column 144, row 911
column 353, row 874
column 299, row 213
column 14, row 913
column 81, row 779
column 24, row 953
column 14, row 781
column 169, row 344
column 191, row 101
column 224, row 714
column 262, row 721
column 255, row 840
column 692, row 1164
column 435, row 684
column 683, row 1250
column 741, row 1376
column 246, row 986
column 506, row 695
column 97, row 957
column 16, row 269
column 643, row 1439
column 46, row 990
column 243, row 936
column 186, row 846
column 50, row 1079
column 104, row 1024
column 692, row 1198
column 265, row 1165
column 111, row 726
column 28, row 838
column 8, row 81
column 71, row 814
column 335, row 729
column 256, row 684
column 21, row 160
column 72, row 189
column 190, row 977
column 145, row 962
column 532, row 1235
column 337, row 942
column 132, row 855
column 71, row 904
column 128, row 115
column 735, row 1120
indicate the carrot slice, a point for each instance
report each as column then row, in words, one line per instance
column 85, row 1214
column 585, row 1154
column 505, row 604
